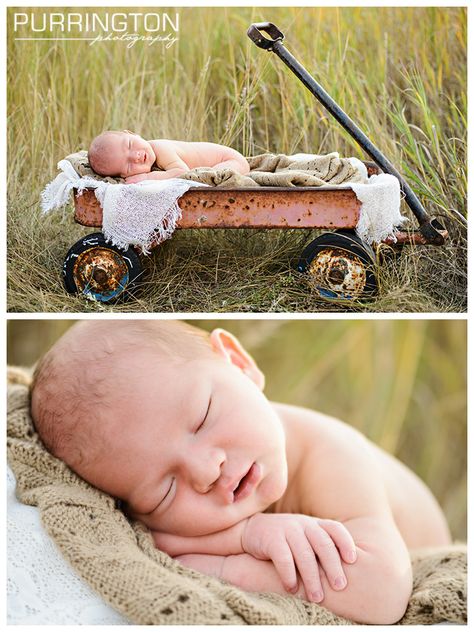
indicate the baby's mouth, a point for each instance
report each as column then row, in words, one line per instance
column 247, row 483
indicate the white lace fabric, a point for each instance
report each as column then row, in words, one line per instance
column 142, row 214
column 41, row 586
column 380, row 208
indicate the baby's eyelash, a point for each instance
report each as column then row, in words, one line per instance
column 165, row 496
column 205, row 416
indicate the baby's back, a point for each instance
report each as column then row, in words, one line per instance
column 417, row 514
column 195, row 154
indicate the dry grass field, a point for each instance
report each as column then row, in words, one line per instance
column 400, row 73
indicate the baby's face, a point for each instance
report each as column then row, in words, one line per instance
column 128, row 154
column 194, row 447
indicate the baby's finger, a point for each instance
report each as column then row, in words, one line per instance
column 328, row 556
column 342, row 538
column 307, row 564
column 285, row 566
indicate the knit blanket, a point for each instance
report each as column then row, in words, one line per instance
column 267, row 169
column 118, row 560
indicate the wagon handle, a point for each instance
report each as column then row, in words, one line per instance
column 254, row 32
column 431, row 228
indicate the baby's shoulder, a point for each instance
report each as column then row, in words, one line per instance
column 312, row 424
column 319, row 446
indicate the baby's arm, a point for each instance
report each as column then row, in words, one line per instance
column 377, row 591
column 234, row 161
column 156, row 175
column 378, row 584
column 242, row 570
column 292, row 542
column 345, row 483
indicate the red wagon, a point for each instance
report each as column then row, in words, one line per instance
column 338, row 263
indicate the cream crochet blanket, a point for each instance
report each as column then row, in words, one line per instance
column 118, row 559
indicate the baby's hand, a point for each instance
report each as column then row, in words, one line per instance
column 298, row 542
column 138, row 178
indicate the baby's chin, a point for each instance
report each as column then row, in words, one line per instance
column 274, row 489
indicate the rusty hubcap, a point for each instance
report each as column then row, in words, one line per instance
column 339, row 272
column 100, row 271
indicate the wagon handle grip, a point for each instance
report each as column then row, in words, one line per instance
column 255, row 34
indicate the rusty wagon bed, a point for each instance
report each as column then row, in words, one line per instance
column 338, row 263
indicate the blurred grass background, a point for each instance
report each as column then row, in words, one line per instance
column 399, row 72
column 401, row 382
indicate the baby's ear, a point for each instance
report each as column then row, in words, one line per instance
column 228, row 347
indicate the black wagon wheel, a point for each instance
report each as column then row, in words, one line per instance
column 98, row 270
column 340, row 266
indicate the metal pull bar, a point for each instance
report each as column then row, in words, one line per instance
column 429, row 227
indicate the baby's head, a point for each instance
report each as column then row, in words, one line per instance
column 165, row 417
column 123, row 154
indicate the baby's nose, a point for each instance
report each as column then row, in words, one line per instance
column 206, row 471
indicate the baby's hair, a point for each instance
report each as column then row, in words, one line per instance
column 77, row 383
column 97, row 150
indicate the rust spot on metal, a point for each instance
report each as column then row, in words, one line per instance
column 99, row 275
column 414, row 238
column 372, row 168
column 88, row 211
column 338, row 271
column 100, row 270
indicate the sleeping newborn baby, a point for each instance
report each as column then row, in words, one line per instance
column 270, row 497
column 128, row 155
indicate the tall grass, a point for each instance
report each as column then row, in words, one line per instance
column 401, row 382
column 385, row 66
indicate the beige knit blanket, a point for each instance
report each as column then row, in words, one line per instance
column 276, row 170
column 120, row 563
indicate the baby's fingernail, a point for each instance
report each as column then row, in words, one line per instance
column 293, row 589
column 340, row 582
column 317, row 596
column 351, row 556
